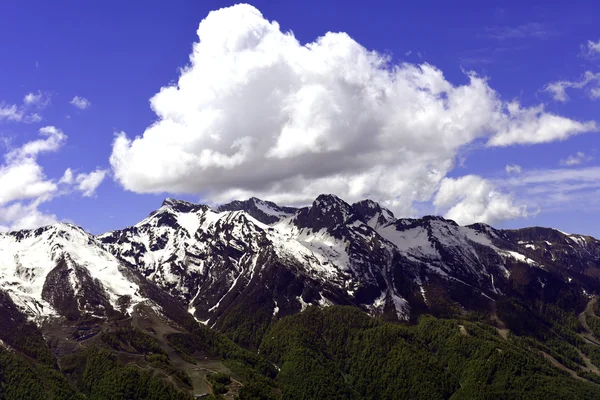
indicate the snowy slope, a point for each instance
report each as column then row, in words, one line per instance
column 28, row 257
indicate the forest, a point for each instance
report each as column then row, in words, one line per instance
column 334, row 353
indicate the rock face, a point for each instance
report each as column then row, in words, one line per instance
column 256, row 259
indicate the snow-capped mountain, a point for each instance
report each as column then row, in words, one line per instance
column 255, row 260
column 219, row 261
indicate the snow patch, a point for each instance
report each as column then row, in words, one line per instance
column 402, row 307
column 268, row 210
column 25, row 261
column 414, row 241
column 189, row 221
column 517, row 256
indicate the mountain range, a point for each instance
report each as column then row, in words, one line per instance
column 241, row 267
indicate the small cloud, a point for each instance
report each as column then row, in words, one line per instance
column 32, row 118
column 10, row 112
column 81, row 102
column 67, row 177
column 88, row 183
column 531, row 30
column 408, row 53
column 513, row 169
column 37, row 64
column 39, row 100
column 576, row 159
column 32, row 98
column 590, row 49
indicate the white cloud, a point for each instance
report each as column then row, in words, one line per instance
column 576, row 159
column 471, row 199
column 32, row 98
column 54, row 138
column 513, row 169
column 80, row 102
column 534, row 126
column 258, row 113
column 23, row 180
column 38, row 99
column 25, row 186
column 67, row 177
column 24, row 216
column 23, row 113
column 10, row 113
column 88, row 183
column 558, row 89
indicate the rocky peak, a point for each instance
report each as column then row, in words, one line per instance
column 372, row 213
column 264, row 211
column 432, row 218
column 182, row 205
column 327, row 211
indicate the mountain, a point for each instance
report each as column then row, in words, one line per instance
column 245, row 268
column 254, row 253
column 218, row 262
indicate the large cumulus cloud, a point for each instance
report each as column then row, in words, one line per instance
column 258, row 113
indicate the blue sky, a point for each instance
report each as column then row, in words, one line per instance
column 118, row 55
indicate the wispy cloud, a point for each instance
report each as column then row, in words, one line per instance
column 513, row 169
column 474, row 60
column 589, row 80
column 576, row 159
column 81, row 102
column 532, row 30
column 556, row 189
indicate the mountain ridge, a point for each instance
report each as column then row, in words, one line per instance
column 357, row 254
